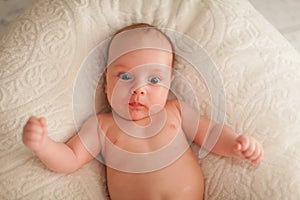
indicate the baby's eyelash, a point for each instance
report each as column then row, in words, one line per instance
column 154, row 79
column 125, row 76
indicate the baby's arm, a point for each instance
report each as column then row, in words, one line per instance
column 59, row 157
column 231, row 144
column 228, row 143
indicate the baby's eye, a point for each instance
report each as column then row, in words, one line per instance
column 125, row 76
column 154, row 80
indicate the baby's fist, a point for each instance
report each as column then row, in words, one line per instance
column 249, row 148
column 35, row 133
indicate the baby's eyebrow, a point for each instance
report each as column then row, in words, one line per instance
column 120, row 67
column 153, row 68
column 162, row 69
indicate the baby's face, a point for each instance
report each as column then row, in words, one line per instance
column 138, row 83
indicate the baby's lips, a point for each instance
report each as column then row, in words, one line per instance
column 136, row 105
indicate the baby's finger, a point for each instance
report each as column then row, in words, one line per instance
column 255, row 153
column 32, row 138
column 258, row 153
column 259, row 158
column 32, row 127
column 238, row 146
column 238, row 150
column 244, row 141
column 33, row 119
column 42, row 120
column 34, row 132
column 43, row 124
column 250, row 150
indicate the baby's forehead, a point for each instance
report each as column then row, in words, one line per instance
column 147, row 37
column 135, row 39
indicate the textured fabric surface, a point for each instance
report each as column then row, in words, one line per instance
column 42, row 53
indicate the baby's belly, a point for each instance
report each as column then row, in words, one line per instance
column 181, row 180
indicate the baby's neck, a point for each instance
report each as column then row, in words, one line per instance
column 142, row 128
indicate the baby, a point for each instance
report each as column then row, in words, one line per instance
column 145, row 139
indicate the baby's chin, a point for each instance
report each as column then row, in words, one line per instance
column 138, row 115
column 133, row 116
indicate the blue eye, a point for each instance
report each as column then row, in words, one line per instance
column 125, row 76
column 154, row 80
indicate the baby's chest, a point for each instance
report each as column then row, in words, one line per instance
column 144, row 140
column 125, row 152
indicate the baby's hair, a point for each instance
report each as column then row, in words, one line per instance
column 134, row 26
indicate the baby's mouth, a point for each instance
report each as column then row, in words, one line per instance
column 136, row 105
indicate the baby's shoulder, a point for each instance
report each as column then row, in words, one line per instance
column 180, row 107
column 99, row 119
column 172, row 103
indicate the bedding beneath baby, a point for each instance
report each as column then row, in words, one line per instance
column 50, row 52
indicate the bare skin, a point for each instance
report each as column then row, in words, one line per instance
column 181, row 179
column 137, row 90
column 161, row 183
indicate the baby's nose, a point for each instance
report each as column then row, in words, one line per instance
column 140, row 91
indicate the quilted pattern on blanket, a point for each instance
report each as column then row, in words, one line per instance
column 43, row 50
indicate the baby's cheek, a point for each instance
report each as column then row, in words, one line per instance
column 160, row 97
column 119, row 91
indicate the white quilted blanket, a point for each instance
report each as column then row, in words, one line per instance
column 44, row 50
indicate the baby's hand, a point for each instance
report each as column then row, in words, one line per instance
column 249, row 148
column 35, row 133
